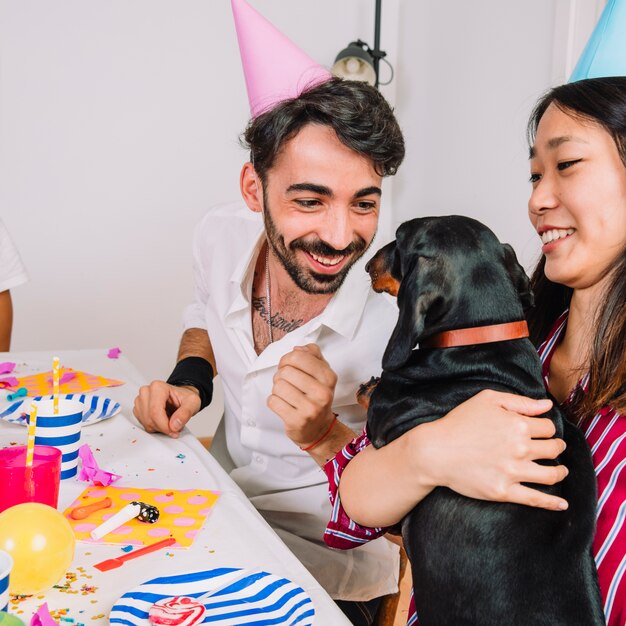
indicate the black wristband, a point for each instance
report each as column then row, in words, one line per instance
column 194, row 371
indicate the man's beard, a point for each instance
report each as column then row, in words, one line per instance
column 308, row 280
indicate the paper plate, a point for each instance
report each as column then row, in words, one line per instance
column 260, row 598
column 97, row 408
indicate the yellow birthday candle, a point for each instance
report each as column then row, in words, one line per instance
column 55, row 385
column 30, row 444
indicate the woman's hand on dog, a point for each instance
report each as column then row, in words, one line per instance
column 487, row 446
column 484, row 448
column 302, row 396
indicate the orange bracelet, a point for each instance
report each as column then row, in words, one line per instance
column 322, row 437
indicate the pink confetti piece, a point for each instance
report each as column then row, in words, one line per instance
column 90, row 470
column 66, row 377
column 6, row 367
column 8, row 382
column 42, row 617
column 114, row 353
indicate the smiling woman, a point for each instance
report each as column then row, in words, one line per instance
column 578, row 207
column 486, row 448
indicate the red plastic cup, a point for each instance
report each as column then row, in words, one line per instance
column 38, row 483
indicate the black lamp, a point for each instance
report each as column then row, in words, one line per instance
column 360, row 62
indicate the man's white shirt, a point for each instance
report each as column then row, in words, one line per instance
column 287, row 487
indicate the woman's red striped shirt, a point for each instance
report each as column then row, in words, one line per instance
column 606, row 435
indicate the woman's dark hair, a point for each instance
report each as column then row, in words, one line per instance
column 600, row 101
column 360, row 116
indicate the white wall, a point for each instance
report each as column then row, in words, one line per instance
column 468, row 76
column 119, row 126
column 119, row 122
column 476, row 68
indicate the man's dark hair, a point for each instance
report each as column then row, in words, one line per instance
column 360, row 116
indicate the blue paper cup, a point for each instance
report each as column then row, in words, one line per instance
column 61, row 431
column 6, row 564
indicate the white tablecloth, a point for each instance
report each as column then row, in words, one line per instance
column 234, row 535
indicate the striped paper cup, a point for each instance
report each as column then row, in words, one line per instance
column 61, row 431
column 6, row 563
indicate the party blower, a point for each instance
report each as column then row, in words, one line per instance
column 143, row 512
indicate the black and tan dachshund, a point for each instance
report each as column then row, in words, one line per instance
column 476, row 562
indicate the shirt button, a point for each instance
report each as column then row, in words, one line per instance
column 258, row 458
column 251, row 422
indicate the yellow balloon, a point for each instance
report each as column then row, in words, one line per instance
column 41, row 542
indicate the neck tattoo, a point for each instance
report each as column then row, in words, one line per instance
column 267, row 292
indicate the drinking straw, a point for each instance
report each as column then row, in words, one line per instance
column 30, row 445
column 55, row 385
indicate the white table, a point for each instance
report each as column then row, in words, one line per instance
column 234, row 535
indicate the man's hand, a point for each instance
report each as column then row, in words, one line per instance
column 163, row 408
column 302, row 394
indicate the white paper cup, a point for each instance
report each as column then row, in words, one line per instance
column 61, row 431
column 6, row 564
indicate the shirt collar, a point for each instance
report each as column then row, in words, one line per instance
column 546, row 351
column 243, row 275
column 344, row 311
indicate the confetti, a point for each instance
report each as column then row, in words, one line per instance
column 114, row 353
column 6, row 367
column 45, row 617
column 10, row 383
column 90, row 470
column 65, row 378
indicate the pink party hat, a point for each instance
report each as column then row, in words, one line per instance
column 274, row 67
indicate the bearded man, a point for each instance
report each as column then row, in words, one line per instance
column 284, row 310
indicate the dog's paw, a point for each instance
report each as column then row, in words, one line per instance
column 365, row 391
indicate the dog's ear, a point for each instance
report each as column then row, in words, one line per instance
column 518, row 276
column 413, row 305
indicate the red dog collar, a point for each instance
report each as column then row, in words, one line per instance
column 479, row 334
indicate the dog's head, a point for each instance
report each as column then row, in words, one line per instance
column 447, row 272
